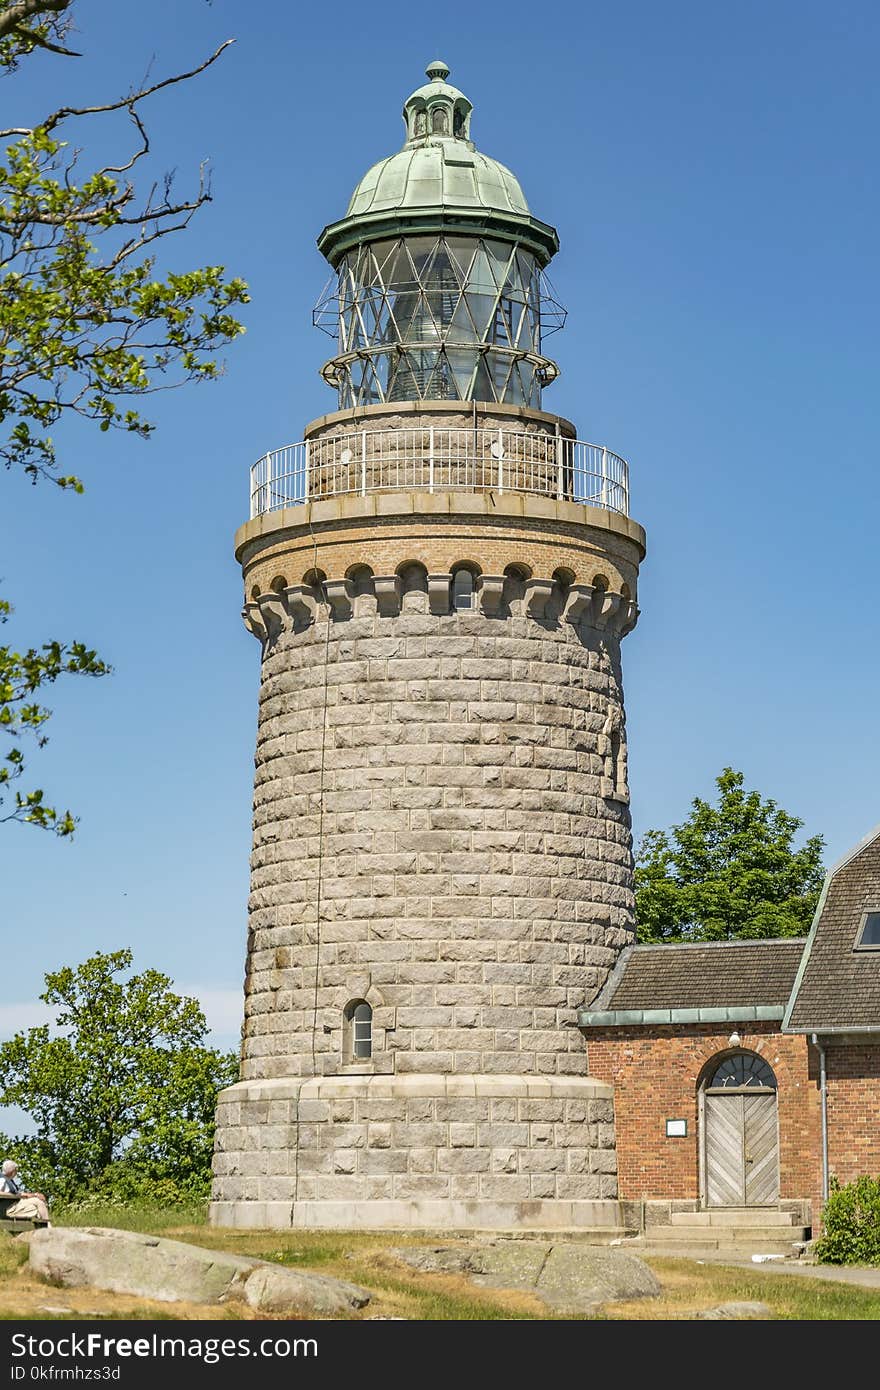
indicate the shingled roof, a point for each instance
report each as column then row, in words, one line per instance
column 838, row 987
column 705, row 981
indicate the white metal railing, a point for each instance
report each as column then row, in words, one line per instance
column 440, row 460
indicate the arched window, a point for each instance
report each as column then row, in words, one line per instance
column 742, row 1069
column 358, row 1031
column 361, row 579
column 439, row 121
column 462, row 590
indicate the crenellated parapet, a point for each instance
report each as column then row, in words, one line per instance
column 550, row 601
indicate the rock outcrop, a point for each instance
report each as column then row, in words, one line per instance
column 171, row 1271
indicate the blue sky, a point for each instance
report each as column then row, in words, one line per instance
column 712, row 173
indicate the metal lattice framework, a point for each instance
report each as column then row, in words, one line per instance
column 439, row 318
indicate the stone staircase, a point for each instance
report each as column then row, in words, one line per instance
column 738, row 1232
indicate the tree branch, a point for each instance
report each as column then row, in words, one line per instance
column 31, row 36
column 124, row 103
column 14, row 16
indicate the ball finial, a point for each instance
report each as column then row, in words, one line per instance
column 437, row 71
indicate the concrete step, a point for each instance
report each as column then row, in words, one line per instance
column 735, row 1216
column 757, row 1239
column 710, row 1249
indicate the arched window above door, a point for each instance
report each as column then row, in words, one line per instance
column 742, row 1069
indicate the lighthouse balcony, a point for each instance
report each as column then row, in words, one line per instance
column 438, row 458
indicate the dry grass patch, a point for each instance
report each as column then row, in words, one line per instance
column 689, row 1286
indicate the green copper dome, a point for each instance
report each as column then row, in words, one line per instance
column 437, row 175
column 439, row 180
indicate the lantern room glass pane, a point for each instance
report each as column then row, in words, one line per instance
column 439, row 318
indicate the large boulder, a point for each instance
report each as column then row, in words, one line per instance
column 276, row 1289
column 100, row 1257
column 170, row 1271
column 578, row 1278
column 569, row 1277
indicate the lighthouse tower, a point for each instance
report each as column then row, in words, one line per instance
column 439, row 576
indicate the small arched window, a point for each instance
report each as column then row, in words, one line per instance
column 439, row 122
column 359, row 1031
column 462, row 590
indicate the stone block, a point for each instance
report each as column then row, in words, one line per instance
column 462, row 1110
column 578, row 1187
column 603, row 1161
column 420, row 1186
column 379, row 1136
column 541, row 1161
column 422, row 1160
column 381, row 1108
column 462, row 1136
column 577, row 1160
column 424, row 1062
column 541, row 1136
column 462, row 1160
column 428, row 1134
column 602, row 1110
column 379, row 1162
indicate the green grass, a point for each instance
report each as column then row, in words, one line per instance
column 791, row 1296
column 133, row 1217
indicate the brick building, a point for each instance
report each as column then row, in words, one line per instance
column 747, row 1073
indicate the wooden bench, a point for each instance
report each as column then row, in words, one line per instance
column 13, row 1224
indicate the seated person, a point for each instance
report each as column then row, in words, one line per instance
column 31, row 1204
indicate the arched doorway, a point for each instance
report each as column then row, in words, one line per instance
column 740, row 1132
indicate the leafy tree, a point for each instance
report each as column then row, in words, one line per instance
column 729, row 870
column 121, row 1090
column 22, row 674
column 88, row 325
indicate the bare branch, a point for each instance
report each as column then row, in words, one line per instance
column 124, row 103
column 144, row 149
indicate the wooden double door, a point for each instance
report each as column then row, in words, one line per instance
column 741, row 1147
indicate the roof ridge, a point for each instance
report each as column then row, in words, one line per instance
column 736, row 941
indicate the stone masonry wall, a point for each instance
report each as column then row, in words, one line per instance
column 398, row 1143
column 437, row 830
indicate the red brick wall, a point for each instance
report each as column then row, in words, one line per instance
column 655, row 1072
column 853, row 1110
